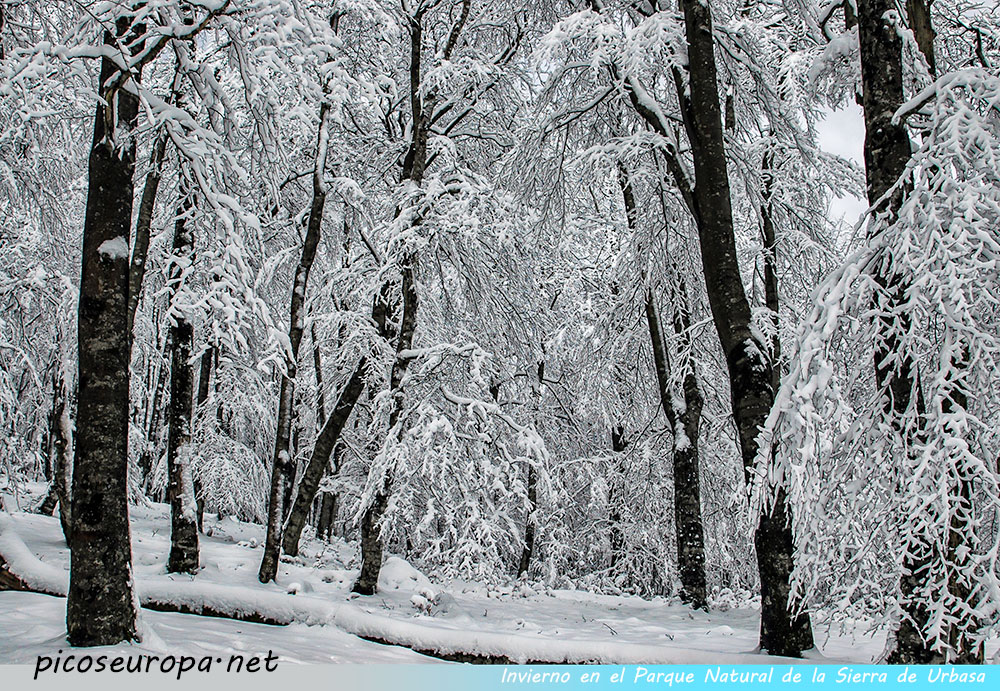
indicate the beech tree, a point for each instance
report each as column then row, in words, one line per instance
column 885, row 436
column 101, row 606
column 531, row 294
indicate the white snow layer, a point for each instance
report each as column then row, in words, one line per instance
column 313, row 594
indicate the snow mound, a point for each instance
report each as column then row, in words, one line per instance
column 398, row 574
column 297, row 587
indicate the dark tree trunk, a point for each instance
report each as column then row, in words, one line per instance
column 318, row 372
column 282, row 470
column 100, row 608
column 771, row 535
column 750, row 372
column 529, row 523
column 771, row 299
column 961, row 526
column 152, row 438
column 414, row 165
column 295, row 447
column 180, row 486
column 371, row 519
column 58, row 446
column 327, row 517
column 617, row 538
column 887, row 151
column 49, row 503
column 687, row 475
column 685, row 424
column 208, row 359
column 62, row 444
column 143, row 224
column 918, row 14
column 321, row 505
column 319, row 461
column 531, row 520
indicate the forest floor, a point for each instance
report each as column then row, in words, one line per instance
column 329, row 624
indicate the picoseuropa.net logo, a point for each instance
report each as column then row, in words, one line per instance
column 152, row 664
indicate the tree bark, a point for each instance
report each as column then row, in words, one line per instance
column 180, row 485
column 617, row 538
column 49, row 503
column 100, row 608
column 143, row 225
column 529, row 523
column 371, row 518
column 58, row 446
column 750, row 372
column 771, row 296
column 327, row 517
column 62, row 444
column 318, row 371
column 918, row 14
column 282, row 467
column 685, row 424
column 152, row 437
column 531, row 520
column 319, row 461
column 887, row 151
column 208, row 359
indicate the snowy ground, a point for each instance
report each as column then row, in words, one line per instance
column 522, row 624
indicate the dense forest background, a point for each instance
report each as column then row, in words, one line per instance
column 546, row 291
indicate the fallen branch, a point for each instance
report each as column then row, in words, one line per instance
column 11, row 581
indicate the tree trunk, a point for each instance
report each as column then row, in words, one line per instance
column 318, row 372
column 143, row 224
column 371, row 540
column 530, row 521
column 770, row 251
column 62, row 444
column 685, row 423
column 180, row 486
column 282, row 466
column 49, row 503
column 750, row 372
column 208, row 359
column 59, row 443
column 319, row 461
column 101, row 608
column 618, row 446
column 918, row 14
column 414, row 165
column 153, row 423
column 887, row 152
column 327, row 517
